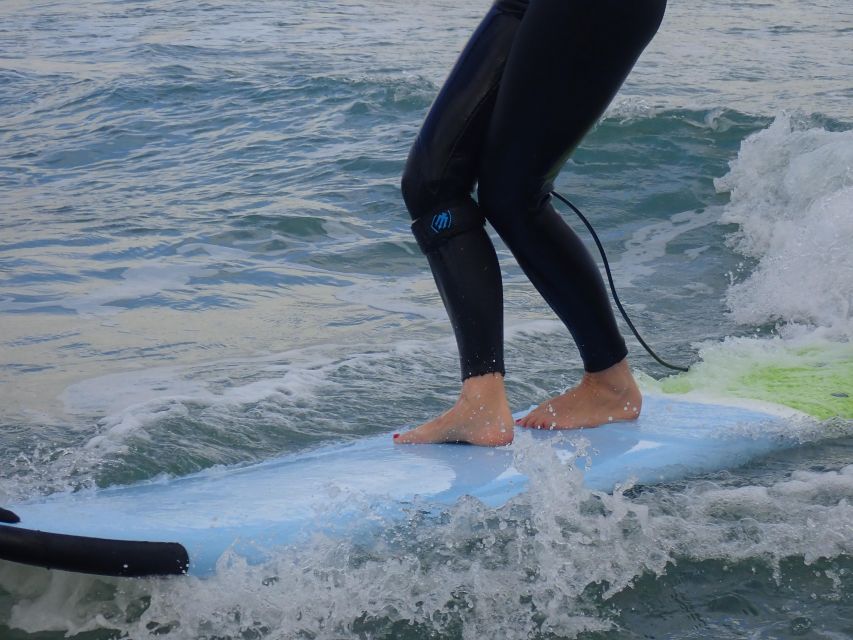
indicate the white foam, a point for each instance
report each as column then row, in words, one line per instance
column 146, row 279
column 651, row 241
column 133, row 400
column 627, row 109
column 528, row 328
column 791, row 189
column 414, row 296
column 131, row 403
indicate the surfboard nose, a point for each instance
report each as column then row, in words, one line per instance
column 7, row 517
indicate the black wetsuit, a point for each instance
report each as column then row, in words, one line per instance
column 534, row 78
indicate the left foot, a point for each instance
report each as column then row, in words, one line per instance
column 606, row 396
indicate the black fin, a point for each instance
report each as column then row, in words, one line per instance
column 8, row 517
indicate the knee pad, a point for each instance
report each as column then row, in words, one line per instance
column 433, row 230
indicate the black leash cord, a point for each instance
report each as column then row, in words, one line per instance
column 613, row 286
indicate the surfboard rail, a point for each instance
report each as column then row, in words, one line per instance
column 100, row 556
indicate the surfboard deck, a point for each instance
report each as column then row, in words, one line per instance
column 184, row 525
column 814, row 378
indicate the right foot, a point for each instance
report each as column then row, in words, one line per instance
column 606, row 396
column 481, row 416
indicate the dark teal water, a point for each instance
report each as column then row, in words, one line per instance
column 204, row 259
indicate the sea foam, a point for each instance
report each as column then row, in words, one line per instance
column 791, row 189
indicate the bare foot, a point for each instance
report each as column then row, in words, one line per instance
column 481, row 416
column 606, row 396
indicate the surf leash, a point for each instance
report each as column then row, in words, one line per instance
column 613, row 286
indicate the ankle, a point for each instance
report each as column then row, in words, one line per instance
column 616, row 379
column 488, row 384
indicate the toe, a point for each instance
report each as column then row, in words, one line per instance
column 409, row 437
column 529, row 421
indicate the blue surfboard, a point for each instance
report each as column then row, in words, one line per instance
column 184, row 525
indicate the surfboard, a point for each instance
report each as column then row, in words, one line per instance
column 170, row 526
column 815, row 378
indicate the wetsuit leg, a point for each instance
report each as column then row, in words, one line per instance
column 437, row 184
column 567, row 61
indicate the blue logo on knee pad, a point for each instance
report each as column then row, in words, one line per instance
column 441, row 221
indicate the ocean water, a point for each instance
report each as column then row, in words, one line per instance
column 205, row 260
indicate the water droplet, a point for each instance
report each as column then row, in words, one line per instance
column 801, row 625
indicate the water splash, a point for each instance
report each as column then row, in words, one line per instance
column 791, row 190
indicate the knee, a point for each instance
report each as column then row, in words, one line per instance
column 418, row 185
column 510, row 206
column 411, row 188
column 512, row 7
column 431, row 181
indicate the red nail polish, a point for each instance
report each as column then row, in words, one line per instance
column 396, row 435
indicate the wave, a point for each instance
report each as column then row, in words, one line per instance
column 791, row 193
